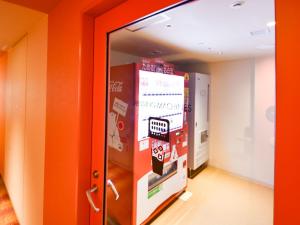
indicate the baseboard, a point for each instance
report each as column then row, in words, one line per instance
column 192, row 173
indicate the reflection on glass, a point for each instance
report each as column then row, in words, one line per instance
column 147, row 139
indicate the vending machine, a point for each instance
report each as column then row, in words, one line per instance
column 147, row 140
column 199, row 86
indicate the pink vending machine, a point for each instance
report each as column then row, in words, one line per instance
column 147, row 140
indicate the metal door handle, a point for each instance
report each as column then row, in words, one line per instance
column 113, row 188
column 90, row 198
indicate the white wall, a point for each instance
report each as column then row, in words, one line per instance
column 264, row 127
column 231, row 116
column 240, row 135
column 25, row 124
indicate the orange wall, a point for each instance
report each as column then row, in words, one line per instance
column 68, row 105
column 287, row 158
column 3, row 61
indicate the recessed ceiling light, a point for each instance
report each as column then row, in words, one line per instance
column 237, row 4
column 271, row 24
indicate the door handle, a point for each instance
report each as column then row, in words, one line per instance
column 90, row 198
column 113, row 188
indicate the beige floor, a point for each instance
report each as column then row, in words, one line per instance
column 220, row 198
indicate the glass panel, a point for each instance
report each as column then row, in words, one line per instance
column 191, row 108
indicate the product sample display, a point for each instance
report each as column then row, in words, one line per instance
column 147, row 140
column 198, row 121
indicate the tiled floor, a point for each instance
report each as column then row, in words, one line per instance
column 7, row 214
column 219, row 198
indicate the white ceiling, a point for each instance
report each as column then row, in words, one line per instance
column 15, row 21
column 204, row 30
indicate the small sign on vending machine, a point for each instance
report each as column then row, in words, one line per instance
column 159, row 129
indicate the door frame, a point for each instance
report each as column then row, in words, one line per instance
column 285, row 203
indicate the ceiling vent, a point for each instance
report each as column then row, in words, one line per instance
column 260, row 32
column 266, row 47
column 161, row 18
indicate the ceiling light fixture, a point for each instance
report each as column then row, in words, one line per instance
column 237, row 4
column 168, row 25
column 271, row 24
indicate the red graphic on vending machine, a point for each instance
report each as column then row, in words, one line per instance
column 158, row 129
column 158, row 156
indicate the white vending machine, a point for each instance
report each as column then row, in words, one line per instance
column 198, row 118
